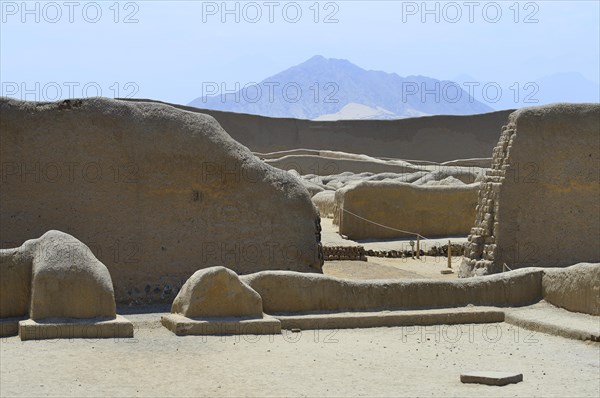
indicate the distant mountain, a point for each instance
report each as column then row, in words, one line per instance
column 333, row 89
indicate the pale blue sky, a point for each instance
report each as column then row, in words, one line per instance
column 170, row 51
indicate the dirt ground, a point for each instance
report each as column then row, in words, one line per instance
column 392, row 268
column 382, row 267
column 401, row 361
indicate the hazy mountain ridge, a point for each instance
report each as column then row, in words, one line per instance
column 322, row 88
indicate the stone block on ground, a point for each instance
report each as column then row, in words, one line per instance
column 183, row 326
column 69, row 328
column 491, row 378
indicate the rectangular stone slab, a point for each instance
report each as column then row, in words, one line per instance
column 350, row 320
column 491, row 378
column 70, row 328
column 183, row 326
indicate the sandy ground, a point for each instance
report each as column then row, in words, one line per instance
column 407, row 361
column 387, row 268
column 392, row 268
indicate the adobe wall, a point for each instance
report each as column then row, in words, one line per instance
column 289, row 292
column 434, row 138
column 539, row 204
column 155, row 192
column 431, row 211
column 575, row 288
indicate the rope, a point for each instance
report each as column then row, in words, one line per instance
column 384, row 226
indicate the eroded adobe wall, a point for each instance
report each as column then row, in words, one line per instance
column 155, row 192
column 292, row 292
column 539, row 204
column 381, row 210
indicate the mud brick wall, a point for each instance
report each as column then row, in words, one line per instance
column 538, row 205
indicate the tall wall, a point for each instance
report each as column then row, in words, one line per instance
column 540, row 203
column 434, row 138
column 155, row 192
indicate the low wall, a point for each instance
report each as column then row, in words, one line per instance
column 326, row 166
column 575, row 288
column 428, row 210
column 433, row 251
column 290, row 292
column 485, row 163
column 350, row 253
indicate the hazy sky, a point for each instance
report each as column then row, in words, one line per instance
column 170, row 48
